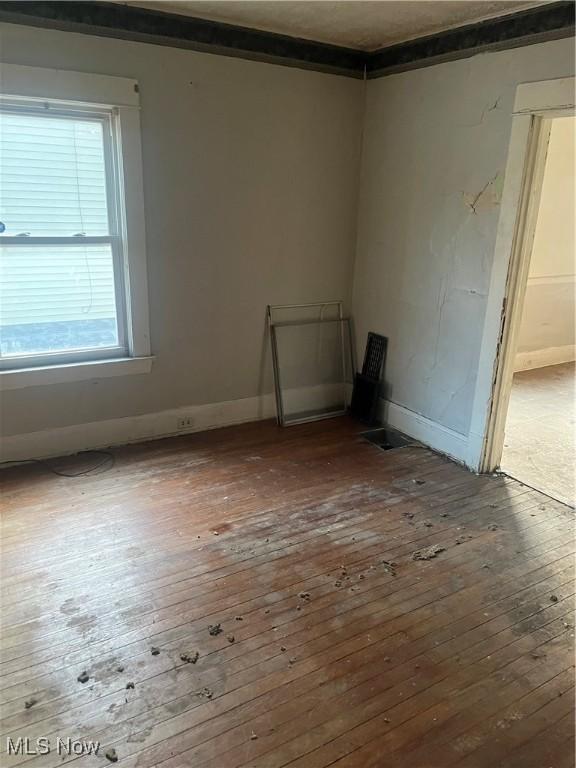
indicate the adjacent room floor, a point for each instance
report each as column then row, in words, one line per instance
column 263, row 597
column 540, row 445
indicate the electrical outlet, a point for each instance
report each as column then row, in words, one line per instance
column 185, row 422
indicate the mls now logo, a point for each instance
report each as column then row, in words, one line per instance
column 43, row 746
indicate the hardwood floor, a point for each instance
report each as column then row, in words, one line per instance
column 540, row 442
column 336, row 647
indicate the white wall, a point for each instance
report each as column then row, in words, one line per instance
column 251, row 176
column 547, row 330
column 435, row 149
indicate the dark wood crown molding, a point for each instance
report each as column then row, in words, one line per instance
column 536, row 25
column 546, row 22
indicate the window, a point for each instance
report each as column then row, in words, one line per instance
column 61, row 290
column 72, row 261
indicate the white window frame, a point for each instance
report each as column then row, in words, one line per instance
column 114, row 101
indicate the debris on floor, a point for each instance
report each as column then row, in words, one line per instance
column 419, row 482
column 538, row 655
column 389, row 567
column 463, row 538
column 230, row 638
column 425, row 619
column 112, row 755
column 83, row 677
column 154, row 651
column 30, row 703
column 428, row 553
column 304, row 596
column 492, row 527
column 190, row 658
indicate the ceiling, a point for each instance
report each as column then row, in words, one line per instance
column 361, row 24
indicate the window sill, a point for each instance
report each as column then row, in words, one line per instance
column 61, row 374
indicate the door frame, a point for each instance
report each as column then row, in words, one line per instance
column 535, row 105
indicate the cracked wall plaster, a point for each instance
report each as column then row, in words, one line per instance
column 435, row 150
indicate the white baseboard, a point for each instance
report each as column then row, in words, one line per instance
column 540, row 358
column 131, row 429
column 432, row 434
column 62, row 441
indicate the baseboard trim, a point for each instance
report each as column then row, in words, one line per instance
column 426, row 431
column 63, row 441
column 550, row 280
column 540, row 358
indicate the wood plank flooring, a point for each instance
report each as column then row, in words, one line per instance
column 337, row 647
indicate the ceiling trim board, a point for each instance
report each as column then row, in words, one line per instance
column 179, row 31
column 535, row 25
column 547, row 22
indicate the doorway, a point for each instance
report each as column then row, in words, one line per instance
column 539, row 446
column 537, row 105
